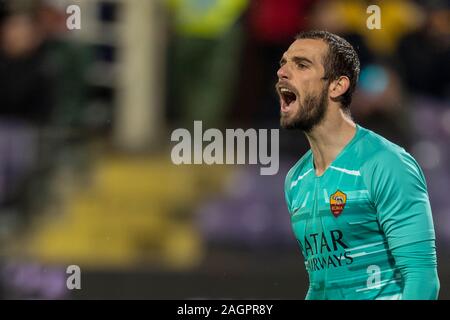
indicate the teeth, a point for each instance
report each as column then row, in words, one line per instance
column 285, row 90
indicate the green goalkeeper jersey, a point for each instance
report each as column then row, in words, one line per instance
column 364, row 226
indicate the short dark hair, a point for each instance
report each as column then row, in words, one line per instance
column 341, row 60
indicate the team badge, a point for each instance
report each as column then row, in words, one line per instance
column 337, row 202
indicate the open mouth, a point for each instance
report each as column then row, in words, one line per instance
column 287, row 97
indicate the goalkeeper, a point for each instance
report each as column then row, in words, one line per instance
column 358, row 203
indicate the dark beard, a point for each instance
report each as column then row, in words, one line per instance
column 309, row 114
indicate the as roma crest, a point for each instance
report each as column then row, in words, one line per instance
column 337, row 202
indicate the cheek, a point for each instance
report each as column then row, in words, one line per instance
column 304, row 85
column 309, row 86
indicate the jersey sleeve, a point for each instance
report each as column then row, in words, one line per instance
column 399, row 193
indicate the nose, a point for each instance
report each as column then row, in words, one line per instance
column 283, row 72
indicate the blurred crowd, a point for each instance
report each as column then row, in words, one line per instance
column 43, row 95
column 220, row 67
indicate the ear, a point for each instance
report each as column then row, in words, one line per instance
column 339, row 87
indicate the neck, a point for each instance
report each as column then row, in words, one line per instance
column 329, row 138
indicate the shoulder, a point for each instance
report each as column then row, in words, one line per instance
column 299, row 169
column 383, row 158
column 374, row 142
column 374, row 149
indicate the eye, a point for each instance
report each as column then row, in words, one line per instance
column 302, row 65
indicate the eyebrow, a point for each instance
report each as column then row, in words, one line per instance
column 296, row 59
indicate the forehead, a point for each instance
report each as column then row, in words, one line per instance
column 313, row 49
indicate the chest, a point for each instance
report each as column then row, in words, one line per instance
column 337, row 201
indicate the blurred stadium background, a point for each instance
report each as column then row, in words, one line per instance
column 85, row 123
